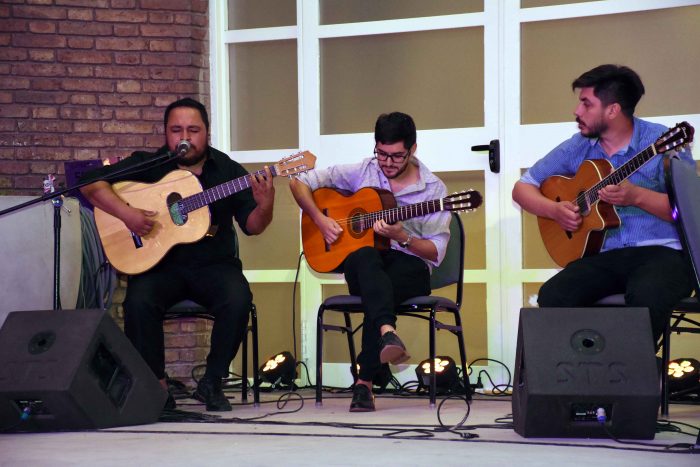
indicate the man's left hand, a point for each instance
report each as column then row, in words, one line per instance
column 263, row 189
column 392, row 231
column 624, row 194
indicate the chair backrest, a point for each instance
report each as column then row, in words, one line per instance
column 684, row 193
column 451, row 270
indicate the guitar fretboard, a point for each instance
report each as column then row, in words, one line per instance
column 400, row 213
column 619, row 175
column 215, row 193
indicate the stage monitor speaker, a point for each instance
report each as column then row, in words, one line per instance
column 70, row 370
column 585, row 373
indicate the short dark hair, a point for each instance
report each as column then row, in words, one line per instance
column 187, row 102
column 394, row 127
column 613, row 83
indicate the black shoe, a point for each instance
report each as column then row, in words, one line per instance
column 362, row 399
column 170, row 402
column 393, row 351
column 209, row 391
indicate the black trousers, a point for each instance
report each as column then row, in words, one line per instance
column 383, row 278
column 221, row 288
column 656, row 277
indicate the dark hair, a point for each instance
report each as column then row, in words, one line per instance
column 394, row 127
column 613, row 83
column 187, row 102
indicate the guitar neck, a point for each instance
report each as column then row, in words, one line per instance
column 621, row 173
column 224, row 190
column 401, row 213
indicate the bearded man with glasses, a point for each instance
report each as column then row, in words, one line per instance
column 384, row 278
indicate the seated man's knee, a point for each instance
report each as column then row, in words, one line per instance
column 362, row 256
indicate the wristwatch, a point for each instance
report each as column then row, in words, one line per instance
column 407, row 243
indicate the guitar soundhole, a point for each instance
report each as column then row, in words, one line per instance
column 175, row 208
column 357, row 223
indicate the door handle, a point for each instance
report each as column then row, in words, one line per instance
column 494, row 149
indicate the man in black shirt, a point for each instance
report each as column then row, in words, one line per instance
column 207, row 271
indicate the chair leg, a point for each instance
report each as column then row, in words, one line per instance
column 665, row 357
column 319, row 356
column 244, row 366
column 431, row 352
column 256, row 364
column 351, row 347
column 463, row 355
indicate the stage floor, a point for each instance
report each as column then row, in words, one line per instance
column 403, row 431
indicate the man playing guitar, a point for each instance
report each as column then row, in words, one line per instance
column 207, row 271
column 383, row 278
column 641, row 258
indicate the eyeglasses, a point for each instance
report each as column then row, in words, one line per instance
column 397, row 157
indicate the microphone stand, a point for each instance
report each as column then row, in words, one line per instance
column 56, row 198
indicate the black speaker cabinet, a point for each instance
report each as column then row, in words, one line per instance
column 574, row 365
column 72, row 369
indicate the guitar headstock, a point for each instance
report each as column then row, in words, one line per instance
column 679, row 135
column 295, row 164
column 466, row 200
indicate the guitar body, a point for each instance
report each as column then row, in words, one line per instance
column 119, row 245
column 322, row 257
column 564, row 246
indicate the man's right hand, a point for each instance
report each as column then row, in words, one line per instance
column 140, row 221
column 566, row 214
column 329, row 228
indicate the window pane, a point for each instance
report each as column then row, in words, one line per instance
column 280, row 241
column 656, row 44
column 436, row 76
column 535, row 3
column 247, row 14
column 355, row 11
column 273, row 302
column 264, row 104
column 474, row 222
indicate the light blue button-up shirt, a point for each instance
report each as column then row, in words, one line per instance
column 638, row 227
column 351, row 177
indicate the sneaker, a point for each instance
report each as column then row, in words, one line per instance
column 362, row 399
column 209, row 391
column 393, row 351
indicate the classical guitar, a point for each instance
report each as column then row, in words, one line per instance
column 582, row 190
column 356, row 214
column 178, row 199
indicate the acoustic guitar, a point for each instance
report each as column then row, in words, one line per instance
column 356, row 213
column 582, row 190
column 178, row 199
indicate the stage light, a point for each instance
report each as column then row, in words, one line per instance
column 683, row 375
column 280, row 368
column 445, row 373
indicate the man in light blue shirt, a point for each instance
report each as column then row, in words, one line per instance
column 641, row 258
column 384, row 278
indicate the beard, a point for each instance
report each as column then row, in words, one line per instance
column 194, row 159
column 400, row 170
column 594, row 130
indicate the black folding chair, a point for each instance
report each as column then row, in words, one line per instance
column 449, row 272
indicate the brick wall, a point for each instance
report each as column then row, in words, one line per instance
column 89, row 79
column 86, row 79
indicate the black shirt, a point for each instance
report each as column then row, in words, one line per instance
column 218, row 168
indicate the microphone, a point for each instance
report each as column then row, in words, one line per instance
column 182, row 147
